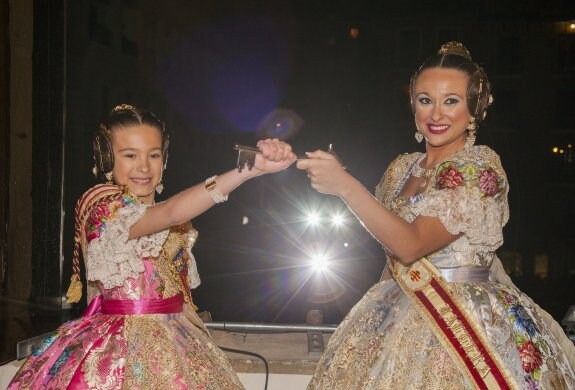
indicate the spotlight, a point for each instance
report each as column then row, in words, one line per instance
column 313, row 218
column 337, row 220
column 319, row 263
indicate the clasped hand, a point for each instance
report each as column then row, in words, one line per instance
column 274, row 156
column 325, row 172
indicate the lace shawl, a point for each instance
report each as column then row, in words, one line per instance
column 468, row 194
column 111, row 256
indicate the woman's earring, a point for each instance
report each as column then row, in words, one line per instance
column 418, row 137
column 109, row 176
column 160, row 188
column 472, row 125
column 470, row 137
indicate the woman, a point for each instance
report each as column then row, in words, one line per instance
column 140, row 330
column 444, row 315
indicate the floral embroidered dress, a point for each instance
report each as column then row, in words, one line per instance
column 385, row 342
column 170, row 350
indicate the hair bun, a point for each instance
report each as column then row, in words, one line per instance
column 122, row 107
column 455, row 48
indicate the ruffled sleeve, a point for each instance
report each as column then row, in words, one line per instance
column 111, row 256
column 469, row 197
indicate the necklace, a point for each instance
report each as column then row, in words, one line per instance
column 418, row 171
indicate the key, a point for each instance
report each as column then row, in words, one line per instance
column 247, row 156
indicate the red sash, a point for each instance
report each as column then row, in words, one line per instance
column 452, row 325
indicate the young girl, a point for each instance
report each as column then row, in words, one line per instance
column 140, row 329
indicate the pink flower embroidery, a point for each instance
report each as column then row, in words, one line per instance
column 100, row 215
column 530, row 357
column 450, row 178
column 489, row 182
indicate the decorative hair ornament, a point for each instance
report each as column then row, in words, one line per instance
column 456, row 48
column 122, row 107
column 418, row 137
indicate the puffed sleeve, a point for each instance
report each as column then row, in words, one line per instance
column 469, row 197
column 111, row 256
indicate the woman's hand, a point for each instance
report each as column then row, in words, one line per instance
column 275, row 155
column 326, row 173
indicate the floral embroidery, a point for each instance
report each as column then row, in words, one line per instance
column 450, row 178
column 531, row 384
column 489, row 182
column 530, row 357
column 532, row 348
column 451, row 175
column 522, row 320
column 102, row 213
column 61, row 360
column 45, row 344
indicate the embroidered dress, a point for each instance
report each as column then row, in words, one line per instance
column 385, row 342
column 126, row 348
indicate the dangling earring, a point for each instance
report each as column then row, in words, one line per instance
column 160, row 188
column 109, row 177
column 418, row 137
column 95, row 170
column 471, row 133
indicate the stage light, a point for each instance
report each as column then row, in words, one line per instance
column 337, row 219
column 319, row 263
column 313, row 218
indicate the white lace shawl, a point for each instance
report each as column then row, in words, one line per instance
column 112, row 258
column 465, row 210
column 461, row 210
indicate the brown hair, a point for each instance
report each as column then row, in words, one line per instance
column 123, row 115
column 453, row 55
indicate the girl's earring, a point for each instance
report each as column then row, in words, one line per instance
column 160, row 188
column 418, row 137
column 109, row 177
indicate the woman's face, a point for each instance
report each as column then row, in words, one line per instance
column 138, row 159
column 441, row 113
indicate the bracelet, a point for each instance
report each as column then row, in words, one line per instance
column 214, row 191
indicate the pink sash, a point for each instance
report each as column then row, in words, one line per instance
column 126, row 306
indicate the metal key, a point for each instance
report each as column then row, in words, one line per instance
column 247, row 156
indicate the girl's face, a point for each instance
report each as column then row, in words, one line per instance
column 441, row 113
column 138, row 159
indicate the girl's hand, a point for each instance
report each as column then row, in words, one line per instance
column 275, row 156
